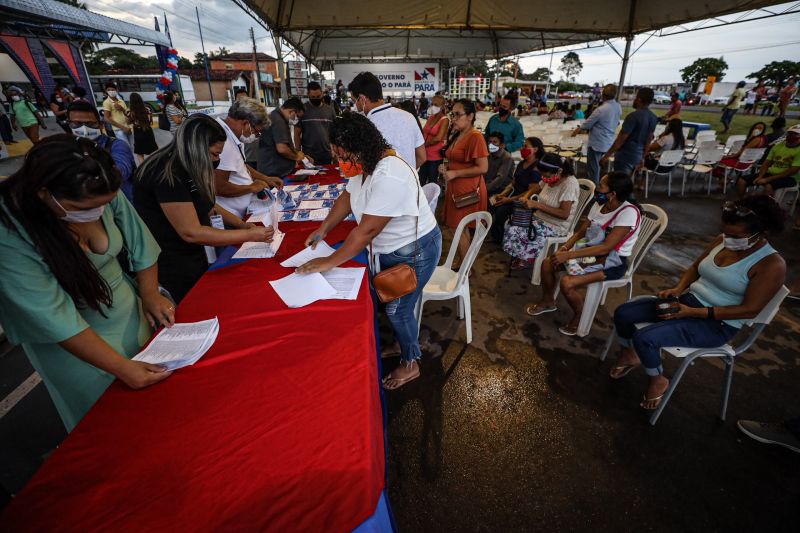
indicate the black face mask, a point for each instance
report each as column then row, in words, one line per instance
column 503, row 111
column 316, row 102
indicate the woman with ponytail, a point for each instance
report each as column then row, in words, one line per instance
column 63, row 294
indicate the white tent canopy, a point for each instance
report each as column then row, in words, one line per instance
column 434, row 29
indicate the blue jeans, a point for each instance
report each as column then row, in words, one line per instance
column 593, row 165
column 727, row 117
column 401, row 311
column 625, row 163
column 648, row 341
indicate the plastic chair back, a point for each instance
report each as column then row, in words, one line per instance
column 771, row 309
column 732, row 140
column 751, row 155
column 659, row 130
column 709, row 156
column 586, row 195
column 570, row 143
column 483, row 221
column 654, row 222
column 706, row 135
column 708, row 144
column 670, row 158
column 431, row 191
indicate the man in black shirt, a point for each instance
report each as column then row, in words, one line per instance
column 315, row 125
column 276, row 153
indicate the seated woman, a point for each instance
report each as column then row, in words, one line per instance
column 597, row 251
column 670, row 139
column 732, row 281
column 394, row 216
column 552, row 212
column 525, row 183
column 174, row 193
column 63, row 294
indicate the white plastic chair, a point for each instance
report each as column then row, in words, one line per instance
column 431, row 192
column 569, row 145
column 551, row 243
column 748, row 157
column 551, row 139
column 734, row 143
column 445, row 283
column 653, row 223
column 659, row 130
column 781, row 197
column 704, row 163
column 668, row 159
column 726, row 351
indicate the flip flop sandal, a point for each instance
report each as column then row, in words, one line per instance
column 535, row 310
column 390, row 383
column 626, row 369
column 645, row 399
column 568, row 331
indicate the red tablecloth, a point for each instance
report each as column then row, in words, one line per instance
column 278, row 427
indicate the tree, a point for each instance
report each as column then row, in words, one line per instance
column 777, row 71
column 199, row 61
column 704, row 67
column 118, row 58
column 571, row 65
column 184, row 64
column 541, row 74
column 220, row 52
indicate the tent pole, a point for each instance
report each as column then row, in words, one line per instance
column 627, row 55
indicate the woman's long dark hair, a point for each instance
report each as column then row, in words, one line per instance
column 357, row 135
column 753, row 127
column 68, row 168
column 675, row 127
column 139, row 114
column 538, row 146
column 621, row 184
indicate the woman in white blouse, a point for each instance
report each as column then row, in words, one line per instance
column 394, row 216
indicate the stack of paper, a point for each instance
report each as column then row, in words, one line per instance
column 346, row 281
column 306, row 172
column 305, row 215
column 181, row 345
column 260, row 250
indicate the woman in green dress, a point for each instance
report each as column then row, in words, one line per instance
column 63, row 293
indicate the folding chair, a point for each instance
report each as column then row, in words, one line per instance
column 569, row 145
column 586, row 195
column 654, row 222
column 668, row 160
column 734, row 143
column 726, row 351
column 781, row 197
column 748, row 157
column 445, row 283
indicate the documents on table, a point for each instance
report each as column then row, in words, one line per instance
column 260, row 250
column 306, row 172
column 305, row 215
column 307, row 254
column 181, row 345
column 346, row 281
column 298, row 290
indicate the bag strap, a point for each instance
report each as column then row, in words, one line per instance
column 635, row 227
column 416, row 229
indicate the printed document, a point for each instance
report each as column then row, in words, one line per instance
column 181, row 345
column 346, row 281
column 307, row 254
column 298, row 290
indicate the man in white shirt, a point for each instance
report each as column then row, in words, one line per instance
column 236, row 182
column 400, row 129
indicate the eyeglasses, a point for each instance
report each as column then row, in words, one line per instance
column 738, row 210
column 453, row 114
column 256, row 131
column 77, row 125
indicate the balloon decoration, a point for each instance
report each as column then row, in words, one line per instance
column 168, row 77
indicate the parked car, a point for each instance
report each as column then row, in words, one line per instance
column 693, row 99
column 568, row 95
column 661, row 97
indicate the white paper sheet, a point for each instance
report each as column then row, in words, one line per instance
column 260, row 250
column 346, row 281
column 293, row 188
column 305, row 215
column 305, row 255
column 306, row 172
column 312, row 204
column 264, row 217
column 298, row 290
column 181, row 345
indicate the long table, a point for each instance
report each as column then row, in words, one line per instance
column 278, row 427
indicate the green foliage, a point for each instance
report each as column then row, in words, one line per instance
column 219, row 52
column 117, row 57
column 777, row 72
column 199, row 61
column 704, row 67
column 184, row 64
column 540, row 74
column 571, row 65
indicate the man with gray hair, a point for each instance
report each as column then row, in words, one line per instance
column 236, row 182
column 602, row 126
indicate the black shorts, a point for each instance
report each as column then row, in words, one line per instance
column 618, row 271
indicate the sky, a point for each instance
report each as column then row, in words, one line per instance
column 746, row 47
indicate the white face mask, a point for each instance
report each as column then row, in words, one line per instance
column 16, row 98
column 294, row 121
column 493, row 148
column 248, row 139
column 87, row 132
column 112, row 94
column 361, row 111
column 81, row 216
column 738, row 244
column 434, row 109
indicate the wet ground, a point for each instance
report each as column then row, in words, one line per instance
column 523, row 431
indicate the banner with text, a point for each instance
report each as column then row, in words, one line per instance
column 397, row 79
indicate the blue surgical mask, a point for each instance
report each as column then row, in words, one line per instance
column 601, row 197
